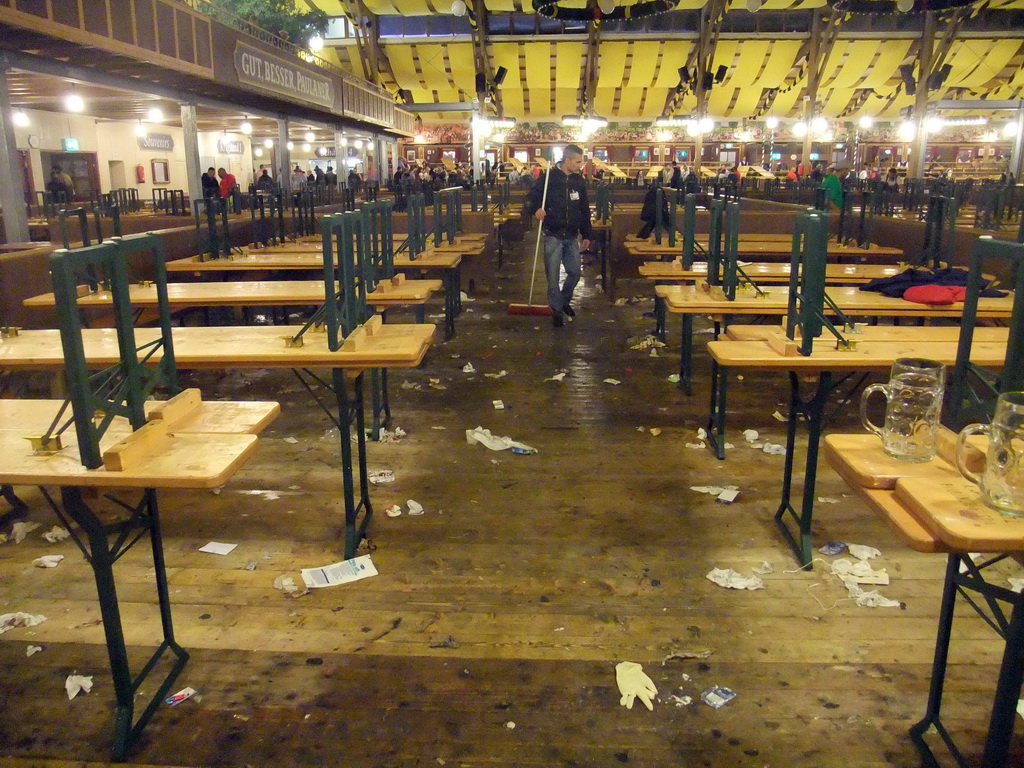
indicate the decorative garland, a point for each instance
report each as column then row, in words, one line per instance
column 889, row 6
column 553, row 10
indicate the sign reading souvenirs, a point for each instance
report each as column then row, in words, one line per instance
column 226, row 147
column 280, row 76
column 161, row 141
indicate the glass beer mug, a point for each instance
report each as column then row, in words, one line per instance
column 1002, row 481
column 914, row 400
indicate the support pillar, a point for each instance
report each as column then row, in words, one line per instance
column 915, row 169
column 190, row 140
column 284, row 157
column 1017, row 153
column 12, row 184
column 478, row 145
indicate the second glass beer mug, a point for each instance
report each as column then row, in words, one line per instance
column 1002, row 481
column 914, row 400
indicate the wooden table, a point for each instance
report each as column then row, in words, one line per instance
column 248, row 346
column 185, row 444
column 821, row 367
column 764, row 245
column 690, row 300
column 835, row 274
column 255, row 293
column 934, row 509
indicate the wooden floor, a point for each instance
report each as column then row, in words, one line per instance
column 513, row 597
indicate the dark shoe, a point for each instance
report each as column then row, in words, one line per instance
column 557, row 320
column 569, row 311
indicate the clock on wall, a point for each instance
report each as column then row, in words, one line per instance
column 33, row 141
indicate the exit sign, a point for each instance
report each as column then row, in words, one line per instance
column 70, row 145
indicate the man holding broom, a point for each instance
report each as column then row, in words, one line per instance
column 559, row 201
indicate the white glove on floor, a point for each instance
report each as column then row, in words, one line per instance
column 633, row 682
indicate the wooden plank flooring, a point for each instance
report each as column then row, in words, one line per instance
column 513, row 597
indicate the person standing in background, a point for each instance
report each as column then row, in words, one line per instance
column 227, row 182
column 210, row 186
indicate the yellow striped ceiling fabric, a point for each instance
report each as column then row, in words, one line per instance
column 507, row 55
column 885, row 65
column 330, row 7
column 745, row 61
column 611, row 63
column 674, row 54
column 629, row 103
column 538, row 66
column 463, row 67
column 604, row 101
column 976, row 62
column 566, row 101
column 643, row 64
column 654, row 103
column 569, row 65
column 745, row 103
column 781, row 56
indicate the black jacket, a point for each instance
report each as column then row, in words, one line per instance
column 567, row 209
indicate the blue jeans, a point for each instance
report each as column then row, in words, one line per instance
column 561, row 252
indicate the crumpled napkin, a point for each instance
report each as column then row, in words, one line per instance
column 495, row 443
column 76, row 684
column 728, row 578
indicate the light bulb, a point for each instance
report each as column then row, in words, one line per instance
column 74, row 103
column 904, row 6
column 310, row 136
column 306, row 147
column 258, row 152
column 934, row 124
column 753, row 6
column 140, row 129
column 289, row 146
column 907, row 130
column 343, row 141
column 419, row 139
column 866, row 121
column 692, row 127
column 606, row 6
column 1010, row 130
column 246, row 127
column 20, row 119
column 706, row 125
column 358, row 143
column 316, row 43
column 819, row 125
column 458, row 8
column 268, row 143
column 800, row 128
column 772, row 123
column 155, row 115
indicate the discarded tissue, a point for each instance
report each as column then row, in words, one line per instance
column 495, row 443
column 77, row 683
column 339, row 573
column 47, row 561
column 728, row 578
column 56, row 534
column 19, row 619
column 382, row 476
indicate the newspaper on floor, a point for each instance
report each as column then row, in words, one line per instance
column 494, row 442
column 339, row 573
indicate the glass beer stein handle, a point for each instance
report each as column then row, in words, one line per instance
column 961, row 450
column 865, row 395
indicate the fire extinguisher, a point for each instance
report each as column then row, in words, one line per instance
column 140, row 174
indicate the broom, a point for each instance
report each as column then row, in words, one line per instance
column 529, row 308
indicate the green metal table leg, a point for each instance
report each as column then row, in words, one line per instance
column 716, row 413
column 813, row 410
column 351, row 419
column 458, row 289
column 102, row 553
column 686, row 354
column 659, row 318
column 450, row 297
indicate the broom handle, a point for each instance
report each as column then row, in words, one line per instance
column 540, row 229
